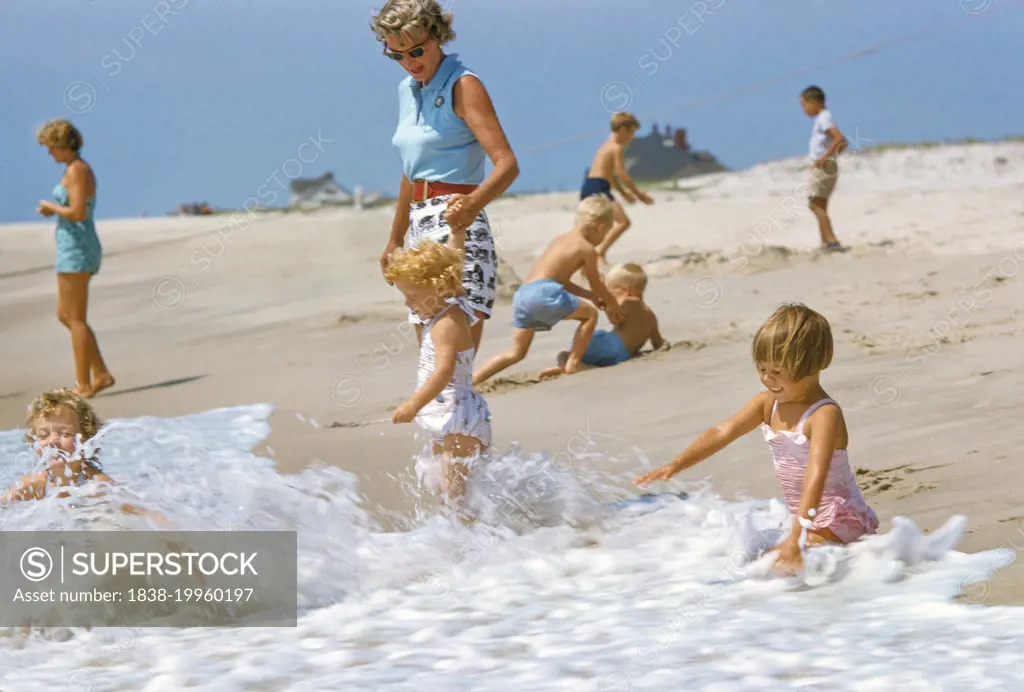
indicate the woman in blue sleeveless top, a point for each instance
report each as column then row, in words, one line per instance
column 78, row 251
column 447, row 127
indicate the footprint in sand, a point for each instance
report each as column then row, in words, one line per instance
column 499, row 385
column 876, row 481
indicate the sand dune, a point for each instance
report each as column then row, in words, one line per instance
column 887, row 168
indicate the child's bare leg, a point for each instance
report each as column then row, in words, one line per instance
column 621, row 222
column 819, row 205
column 455, row 451
column 521, row 340
column 586, row 313
column 562, row 358
column 822, row 537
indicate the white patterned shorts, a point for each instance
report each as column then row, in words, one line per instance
column 480, row 271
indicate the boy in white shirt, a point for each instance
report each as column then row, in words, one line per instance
column 827, row 142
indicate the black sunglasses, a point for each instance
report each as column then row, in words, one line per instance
column 413, row 53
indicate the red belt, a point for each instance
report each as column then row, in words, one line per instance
column 423, row 189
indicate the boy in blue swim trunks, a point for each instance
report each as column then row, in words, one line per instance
column 608, row 168
column 548, row 296
column 627, row 283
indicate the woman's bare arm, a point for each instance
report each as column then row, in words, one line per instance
column 473, row 104
column 401, row 221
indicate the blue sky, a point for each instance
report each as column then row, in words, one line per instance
column 183, row 100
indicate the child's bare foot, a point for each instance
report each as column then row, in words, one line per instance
column 572, row 367
column 553, row 371
column 84, row 391
column 101, row 382
column 562, row 359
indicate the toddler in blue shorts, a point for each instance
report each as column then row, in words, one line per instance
column 626, row 283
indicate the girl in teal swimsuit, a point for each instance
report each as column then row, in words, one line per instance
column 78, row 251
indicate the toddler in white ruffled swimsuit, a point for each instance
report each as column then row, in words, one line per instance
column 444, row 403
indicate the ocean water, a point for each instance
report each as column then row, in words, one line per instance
column 570, row 581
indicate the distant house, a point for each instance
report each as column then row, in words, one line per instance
column 667, row 155
column 193, row 209
column 309, row 193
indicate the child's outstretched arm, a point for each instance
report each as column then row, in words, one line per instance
column 658, row 342
column 30, row 487
column 579, row 291
column 128, row 508
column 621, row 175
column 601, row 292
column 714, row 439
column 444, row 334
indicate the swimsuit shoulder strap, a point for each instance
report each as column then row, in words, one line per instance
column 460, row 303
column 814, row 407
column 464, row 305
column 433, row 320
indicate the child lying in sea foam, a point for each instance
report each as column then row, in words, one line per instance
column 59, row 424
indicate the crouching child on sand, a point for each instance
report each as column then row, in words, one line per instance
column 627, row 283
column 444, row 404
column 548, row 296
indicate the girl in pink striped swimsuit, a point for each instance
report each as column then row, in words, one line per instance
column 804, row 429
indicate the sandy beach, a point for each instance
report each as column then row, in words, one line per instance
column 290, row 309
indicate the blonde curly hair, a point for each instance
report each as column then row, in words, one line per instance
column 48, row 402
column 414, row 17
column 60, row 134
column 428, row 264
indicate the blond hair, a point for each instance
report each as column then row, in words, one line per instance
column 60, row 134
column 621, row 120
column 49, row 402
column 595, row 210
column 413, row 17
column 795, row 339
column 630, row 275
column 428, row 264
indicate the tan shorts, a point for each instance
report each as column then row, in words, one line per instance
column 821, row 182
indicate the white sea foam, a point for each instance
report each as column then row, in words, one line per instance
column 565, row 584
